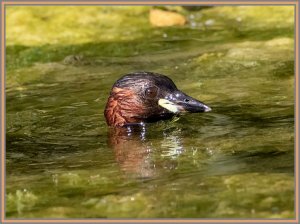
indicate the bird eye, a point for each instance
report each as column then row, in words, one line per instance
column 151, row 92
column 186, row 100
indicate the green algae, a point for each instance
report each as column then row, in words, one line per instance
column 61, row 63
column 38, row 25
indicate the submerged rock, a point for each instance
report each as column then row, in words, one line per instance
column 280, row 42
column 165, row 18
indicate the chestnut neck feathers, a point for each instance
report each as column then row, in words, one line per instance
column 123, row 107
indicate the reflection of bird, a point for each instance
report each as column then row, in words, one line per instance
column 137, row 155
column 131, row 151
column 147, row 97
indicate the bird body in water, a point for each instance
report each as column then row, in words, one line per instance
column 143, row 97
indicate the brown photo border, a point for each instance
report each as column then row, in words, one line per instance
column 180, row 220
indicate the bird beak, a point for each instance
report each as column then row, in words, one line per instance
column 181, row 103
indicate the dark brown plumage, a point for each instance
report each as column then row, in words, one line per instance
column 147, row 97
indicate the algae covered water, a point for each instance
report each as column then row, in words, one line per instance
column 237, row 161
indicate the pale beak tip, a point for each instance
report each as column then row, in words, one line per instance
column 207, row 109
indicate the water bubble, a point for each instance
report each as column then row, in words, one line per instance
column 209, row 22
column 193, row 24
column 239, row 19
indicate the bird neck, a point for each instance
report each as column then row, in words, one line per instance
column 123, row 107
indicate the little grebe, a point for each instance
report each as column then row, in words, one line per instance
column 147, row 97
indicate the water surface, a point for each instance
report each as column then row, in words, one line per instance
column 237, row 161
